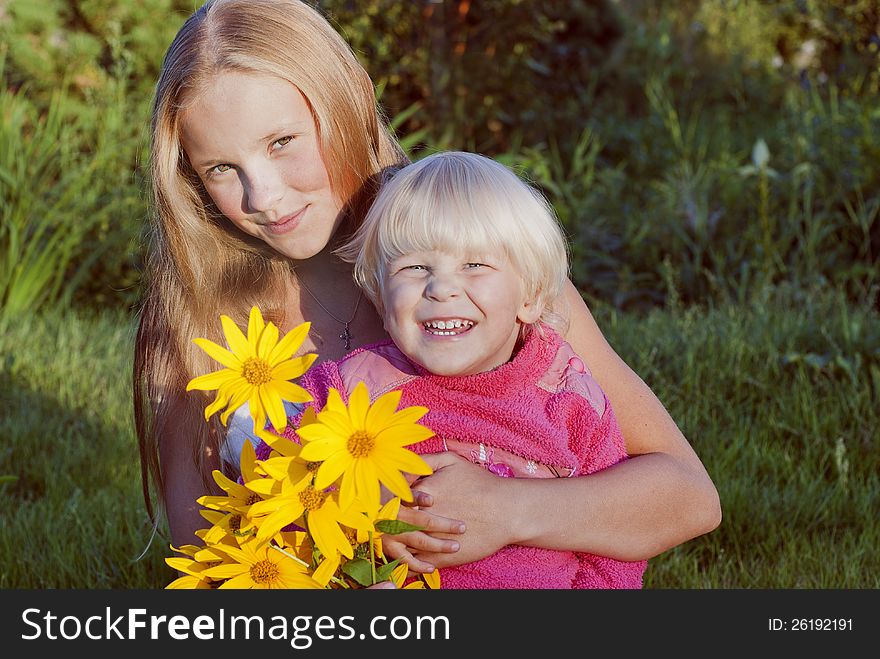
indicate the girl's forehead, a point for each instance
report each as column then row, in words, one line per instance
column 236, row 110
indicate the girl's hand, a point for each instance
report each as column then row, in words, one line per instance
column 435, row 538
column 459, row 489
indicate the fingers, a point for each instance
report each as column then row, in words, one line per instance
column 418, row 565
column 398, row 550
column 431, row 523
column 383, row 585
column 423, row 499
column 420, row 500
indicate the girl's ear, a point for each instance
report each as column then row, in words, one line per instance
column 529, row 312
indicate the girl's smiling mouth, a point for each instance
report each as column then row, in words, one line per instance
column 448, row 327
column 287, row 223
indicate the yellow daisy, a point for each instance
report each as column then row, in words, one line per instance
column 284, row 463
column 238, row 499
column 225, row 524
column 364, row 444
column 193, row 576
column 261, row 566
column 319, row 511
column 258, row 370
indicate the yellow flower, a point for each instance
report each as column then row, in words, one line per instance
column 263, row 566
column 258, row 370
column 282, row 464
column 322, row 516
column 193, row 576
column 239, row 498
column 364, row 444
column 232, row 524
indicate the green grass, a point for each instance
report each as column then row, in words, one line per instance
column 780, row 398
column 74, row 516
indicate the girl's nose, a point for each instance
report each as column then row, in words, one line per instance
column 264, row 192
column 442, row 287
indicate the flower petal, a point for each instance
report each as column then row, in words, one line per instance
column 384, row 407
column 238, row 399
column 219, row 353
column 327, row 535
column 403, row 435
column 367, row 483
column 290, row 343
column 331, row 468
column 255, row 328
column 289, row 391
column 394, row 481
column 268, row 339
column 358, row 406
column 236, row 339
column 274, row 407
column 211, row 381
column 293, row 368
column 404, row 460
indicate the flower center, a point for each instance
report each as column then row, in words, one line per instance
column 312, row 466
column 252, row 499
column 234, row 522
column 360, row 444
column 312, row 499
column 264, row 571
column 256, row 371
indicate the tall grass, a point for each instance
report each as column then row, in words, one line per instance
column 781, row 399
column 70, row 204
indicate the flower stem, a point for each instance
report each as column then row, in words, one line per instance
column 372, row 559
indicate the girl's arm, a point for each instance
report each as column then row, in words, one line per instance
column 183, row 483
column 659, row 498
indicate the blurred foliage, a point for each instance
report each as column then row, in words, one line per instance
column 489, row 71
column 695, row 151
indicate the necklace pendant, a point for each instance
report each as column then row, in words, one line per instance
column 346, row 337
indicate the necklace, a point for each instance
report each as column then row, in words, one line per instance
column 346, row 332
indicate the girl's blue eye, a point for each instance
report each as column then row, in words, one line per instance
column 474, row 265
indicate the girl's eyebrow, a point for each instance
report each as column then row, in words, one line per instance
column 287, row 127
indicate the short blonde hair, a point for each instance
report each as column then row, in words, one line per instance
column 454, row 202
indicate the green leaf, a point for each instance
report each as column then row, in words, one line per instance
column 384, row 572
column 395, row 526
column 360, row 570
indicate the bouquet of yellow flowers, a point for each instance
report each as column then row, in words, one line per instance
column 309, row 515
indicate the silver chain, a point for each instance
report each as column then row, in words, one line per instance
column 346, row 332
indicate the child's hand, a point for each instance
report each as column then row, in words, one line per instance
column 405, row 545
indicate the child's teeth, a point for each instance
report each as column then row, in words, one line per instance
column 448, row 325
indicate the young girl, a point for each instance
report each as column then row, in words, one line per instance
column 464, row 262
column 266, row 148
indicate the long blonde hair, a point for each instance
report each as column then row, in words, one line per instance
column 199, row 264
